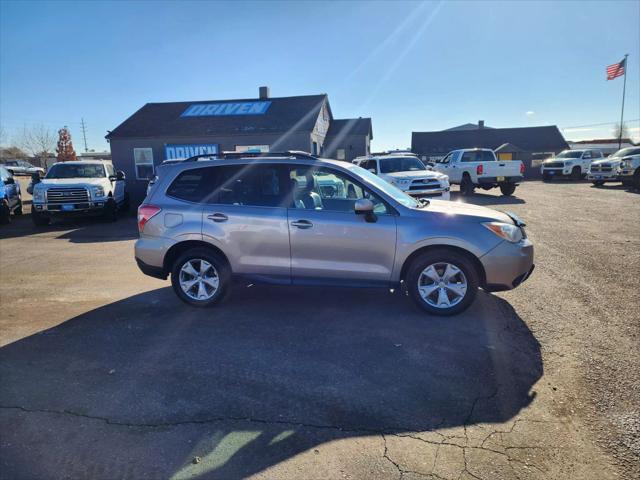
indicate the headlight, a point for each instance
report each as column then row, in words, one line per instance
column 506, row 231
column 97, row 191
column 38, row 194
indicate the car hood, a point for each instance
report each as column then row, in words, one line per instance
column 72, row 182
column 612, row 161
column 458, row 208
column 414, row 174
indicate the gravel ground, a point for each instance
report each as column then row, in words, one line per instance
column 104, row 374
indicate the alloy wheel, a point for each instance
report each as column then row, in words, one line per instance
column 442, row 285
column 199, row 279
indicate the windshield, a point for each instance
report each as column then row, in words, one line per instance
column 624, row 152
column 400, row 164
column 395, row 193
column 570, row 154
column 62, row 170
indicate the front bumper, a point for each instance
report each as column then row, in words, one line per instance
column 603, row 176
column 507, row 265
column 85, row 208
column 438, row 194
column 556, row 172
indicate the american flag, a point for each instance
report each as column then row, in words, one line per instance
column 616, row 70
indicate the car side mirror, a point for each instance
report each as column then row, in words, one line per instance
column 9, row 181
column 372, row 170
column 35, row 177
column 364, row 206
column 120, row 175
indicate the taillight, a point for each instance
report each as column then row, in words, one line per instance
column 480, row 169
column 521, row 168
column 145, row 213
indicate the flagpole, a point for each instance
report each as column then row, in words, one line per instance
column 624, row 88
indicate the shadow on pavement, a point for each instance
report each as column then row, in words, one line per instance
column 76, row 230
column 148, row 383
column 487, row 199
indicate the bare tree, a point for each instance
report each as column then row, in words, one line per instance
column 38, row 140
column 620, row 131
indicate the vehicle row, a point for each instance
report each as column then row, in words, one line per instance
column 623, row 165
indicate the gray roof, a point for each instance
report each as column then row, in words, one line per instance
column 164, row 119
column 350, row 126
column 530, row 139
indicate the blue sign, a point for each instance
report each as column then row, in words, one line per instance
column 177, row 152
column 226, row 109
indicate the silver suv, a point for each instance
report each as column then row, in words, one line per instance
column 295, row 219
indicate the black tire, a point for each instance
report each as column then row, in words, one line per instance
column 636, row 179
column 508, row 189
column 576, row 173
column 110, row 212
column 18, row 209
column 598, row 183
column 466, row 186
column 39, row 220
column 438, row 256
column 126, row 204
column 5, row 212
column 220, row 265
column 546, row 177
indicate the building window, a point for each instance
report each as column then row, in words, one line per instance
column 143, row 158
column 538, row 157
column 252, row 148
column 340, row 154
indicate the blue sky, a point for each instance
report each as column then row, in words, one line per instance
column 410, row 66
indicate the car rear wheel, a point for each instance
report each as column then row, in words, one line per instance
column 466, row 186
column 200, row 277
column 507, row 189
column 576, row 173
column 442, row 282
column 110, row 212
column 598, row 183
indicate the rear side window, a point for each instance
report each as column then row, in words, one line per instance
column 253, row 185
column 193, row 185
column 478, row 156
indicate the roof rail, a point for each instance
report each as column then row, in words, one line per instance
column 230, row 155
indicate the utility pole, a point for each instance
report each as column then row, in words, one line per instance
column 622, row 113
column 84, row 134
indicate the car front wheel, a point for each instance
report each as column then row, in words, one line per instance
column 442, row 282
column 200, row 277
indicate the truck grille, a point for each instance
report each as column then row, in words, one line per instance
column 67, row 195
column 601, row 168
column 425, row 184
column 553, row 165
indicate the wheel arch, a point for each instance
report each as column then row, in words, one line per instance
column 179, row 248
column 429, row 248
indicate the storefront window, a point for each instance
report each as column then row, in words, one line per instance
column 143, row 158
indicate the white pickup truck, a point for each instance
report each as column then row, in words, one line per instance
column 479, row 167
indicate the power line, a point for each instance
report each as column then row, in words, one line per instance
column 599, row 124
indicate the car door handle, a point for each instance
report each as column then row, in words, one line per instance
column 302, row 224
column 218, row 217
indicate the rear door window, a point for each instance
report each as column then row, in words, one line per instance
column 478, row 156
column 259, row 185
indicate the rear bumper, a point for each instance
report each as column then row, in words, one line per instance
column 502, row 181
column 507, row 265
column 152, row 271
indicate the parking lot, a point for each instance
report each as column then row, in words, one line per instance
column 104, row 373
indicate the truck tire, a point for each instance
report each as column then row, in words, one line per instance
column 546, row 177
column 110, row 213
column 507, row 189
column 211, row 282
column 5, row 212
column 428, row 281
column 576, row 173
column 126, row 204
column 636, row 179
column 18, row 209
column 466, row 186
column 598, row 183
column 39, row 220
